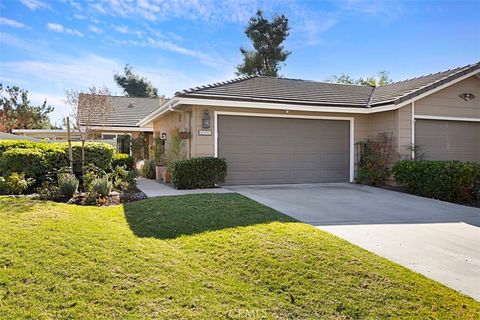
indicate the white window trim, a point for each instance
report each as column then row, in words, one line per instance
column 425, row 117
column 276, row 115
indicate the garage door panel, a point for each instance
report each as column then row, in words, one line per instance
column 278, row 150
column 448, row 140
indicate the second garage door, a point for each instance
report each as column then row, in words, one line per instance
column 264, row 150
column 448, row 140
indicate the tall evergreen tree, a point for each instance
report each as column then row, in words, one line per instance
column 267, row 38
column 134, row 85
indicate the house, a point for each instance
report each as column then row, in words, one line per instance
column 278, row 130
column 46, row 134
column 121, row 118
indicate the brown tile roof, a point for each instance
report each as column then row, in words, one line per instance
column 403, row 90
column 284, row 90
column 125, row 111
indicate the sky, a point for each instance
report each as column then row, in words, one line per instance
column 48, row 47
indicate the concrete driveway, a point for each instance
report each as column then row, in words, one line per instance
column 438, row 239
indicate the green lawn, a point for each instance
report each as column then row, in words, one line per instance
column 200, row 256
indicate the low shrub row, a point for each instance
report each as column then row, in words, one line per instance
column 123, row 160
column 205, row 172
column 36, row 159
column 452, row 181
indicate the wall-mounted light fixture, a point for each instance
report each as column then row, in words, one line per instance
column 163, row 136
column 467, row 96
column 206, row 120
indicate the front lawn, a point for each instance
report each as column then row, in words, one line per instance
column 198, row 256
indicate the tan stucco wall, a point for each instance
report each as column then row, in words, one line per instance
column 447, row 103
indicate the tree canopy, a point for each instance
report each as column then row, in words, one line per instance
column 267, row 38
column 382, row 78
column 134, row 85
column 16, row 111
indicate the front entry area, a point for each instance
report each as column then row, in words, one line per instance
column 273, row 150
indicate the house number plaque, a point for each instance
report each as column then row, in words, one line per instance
column 204, row 132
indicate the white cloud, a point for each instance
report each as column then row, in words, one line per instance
column 79, row 16
column 95, row 29
column 13, row 23
column 122, row 29
column 53, row 75
column 35, row 4
column 127, row 30
column 61, row 29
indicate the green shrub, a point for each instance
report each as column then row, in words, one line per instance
column 55, row 156
column 375, row 154
column 98, row 154
column 3, row 188
column 30, row 161
column 91, row 173
column 148, row 169
column 67, row 184
column 123, row 160
column 102, row 186
column 123, row 179
column 17, row 183
column 452, row 181
column 50, row 191
column 198, row 173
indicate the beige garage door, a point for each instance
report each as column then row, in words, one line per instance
column 263, row 150
column 448, row 140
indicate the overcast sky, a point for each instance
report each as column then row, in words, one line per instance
column 50, row 46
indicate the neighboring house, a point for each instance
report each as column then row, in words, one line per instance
column 276, row 130
column 9, row 136
column 46, row 134
column 121, row 119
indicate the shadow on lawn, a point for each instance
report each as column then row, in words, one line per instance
column 174, row 216
column 16, row 203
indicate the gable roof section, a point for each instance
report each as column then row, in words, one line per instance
column 125, row 112
column 403, row 90
column 270, row 89
column 283, row 90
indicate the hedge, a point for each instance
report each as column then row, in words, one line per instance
column 205, row 172
column 98, row 154
column 31, row 162
column 452, row 181
column 121, row 159
column 36, row 159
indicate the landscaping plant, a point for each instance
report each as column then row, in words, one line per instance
column 452, row 181
column 123, row 160
column 102, row 186
column 17, row 183
column 204, row 172
column 67, row 184
column 123, row 179
column 375, row 157
column 148, row 169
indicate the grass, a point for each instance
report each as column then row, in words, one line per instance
column 198, row 256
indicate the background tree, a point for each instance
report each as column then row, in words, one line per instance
column 382, row 78
column 134, row 85
column 91, row 108
column 267, row 38
column 16, row 111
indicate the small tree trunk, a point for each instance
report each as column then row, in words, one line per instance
column 83, row 157
column 70, row 152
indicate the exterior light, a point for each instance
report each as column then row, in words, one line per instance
column 206, row 120
column 163, row 136
column 467, row 96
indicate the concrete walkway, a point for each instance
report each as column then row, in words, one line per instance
column 438, row 239
column 153, row 188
